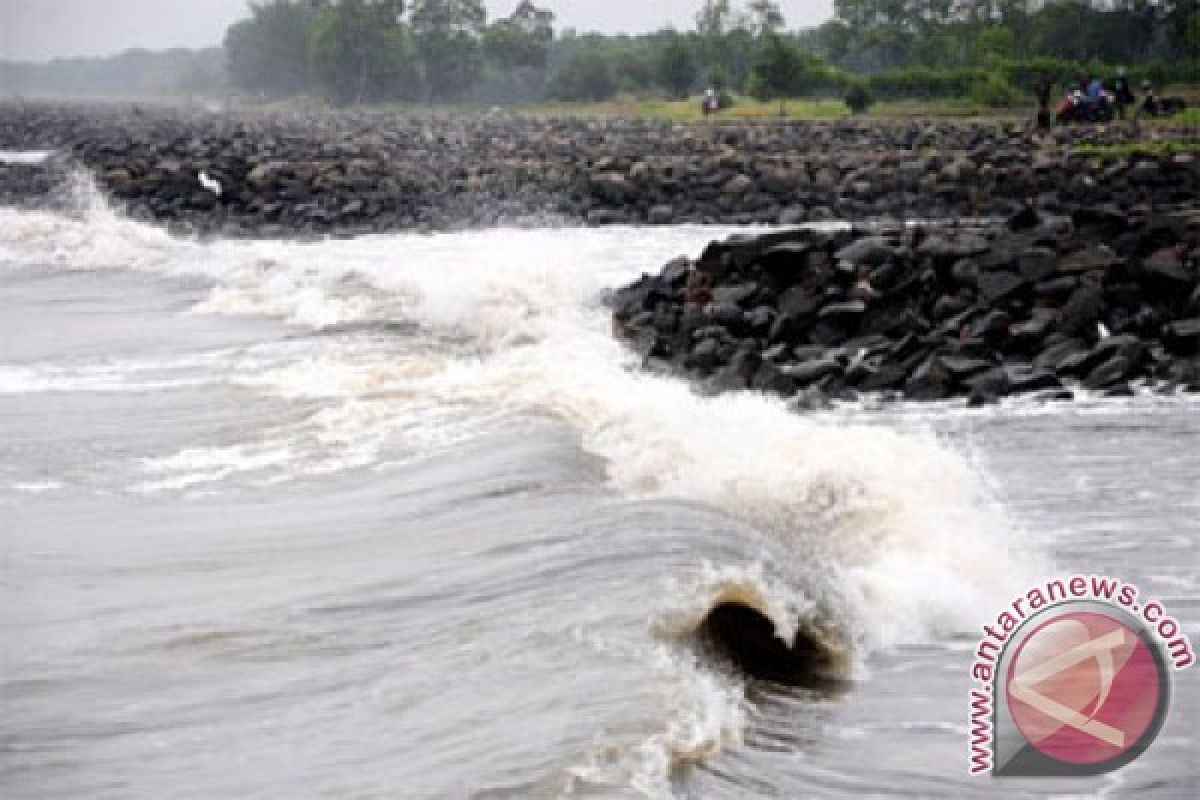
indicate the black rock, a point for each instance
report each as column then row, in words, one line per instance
column 990, row 384
column 736, row 295
column 1082, row 311
column 1057, row 287
column 1036, row 264
column 1113, row 371
column 771, row 378
column 992, row 325
column 869, row 250
column 1022, row 380
column 798, row 304
column 943, row 321
column 1025, row 219
column 1125, row 345
column 1165, row 275
column 808, row 372
column 960, row 367
column 705, row 355
column 998, row 286
column 844, row 311
column 760, row 320
column 1182, row 337
column 930, row 381
column 1092, row 258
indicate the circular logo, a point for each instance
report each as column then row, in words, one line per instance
column 1085, row 688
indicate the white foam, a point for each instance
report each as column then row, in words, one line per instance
column 90, row 378
column 197, row 465
column 24, row 156
column 708, row 713
column 36, row 487
column 888, row 530
column 148, row 374
column 510, row 322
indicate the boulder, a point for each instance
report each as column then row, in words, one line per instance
column 738, row 186
column 1093, row 258
column 869, row 250
column 1182, row 337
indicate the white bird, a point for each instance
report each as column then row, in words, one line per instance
column 1102, row 330
column 210, row 184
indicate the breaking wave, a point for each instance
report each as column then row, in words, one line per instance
column 889, row 534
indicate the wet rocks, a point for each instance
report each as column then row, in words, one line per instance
column 355, row 171
column 930, row 313
column 37, row 184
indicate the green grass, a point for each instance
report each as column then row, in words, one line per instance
column 957, row 107
column 1127, row 149
column 689, row 110
column 1187, row 119
column 749, row 109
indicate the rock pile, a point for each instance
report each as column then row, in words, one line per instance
column 33, row 184
column 1099, row 299
column 357, row 172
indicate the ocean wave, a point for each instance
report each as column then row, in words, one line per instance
column 510, row 320
column 889, row 535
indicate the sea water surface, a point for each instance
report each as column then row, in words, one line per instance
column 396, row 517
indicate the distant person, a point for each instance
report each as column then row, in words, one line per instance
column 1150, row 104
column 1045, row 118
column 1095, row 90
column 1072, row 97
column 1122, row 92
column 710, row 104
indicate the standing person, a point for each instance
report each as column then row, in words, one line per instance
column 1150, row 106
column 1124, row 95
column 1045, row 85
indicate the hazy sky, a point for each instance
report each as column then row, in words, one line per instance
column 43, row 29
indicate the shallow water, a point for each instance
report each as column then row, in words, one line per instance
column 395, row 516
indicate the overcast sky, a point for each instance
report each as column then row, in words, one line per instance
column 43, row 29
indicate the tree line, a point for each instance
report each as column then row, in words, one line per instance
column 138, row 73
column 354, row 51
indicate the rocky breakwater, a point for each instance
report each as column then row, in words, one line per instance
column 1098, row 299
column 360, row 171
column 285, row 173
column 34, row 181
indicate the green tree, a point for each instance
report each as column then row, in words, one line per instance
column 1188, row 44
column 714, row 22
column 587, row 77
column 765, row 16
column 520, row 40
column 779, row 69
column 676, row 64
column 360, row 52
column 268, row 53
column 714, row 19
column 993, row 43
column 448, row 36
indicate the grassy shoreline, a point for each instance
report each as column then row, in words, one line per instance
column 747, row 109
column 750, row 110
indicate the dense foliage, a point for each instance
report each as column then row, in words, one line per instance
column 989, row 51
column 992, row 52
